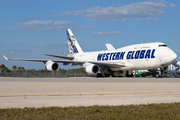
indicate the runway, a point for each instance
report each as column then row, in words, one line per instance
column 20, row 92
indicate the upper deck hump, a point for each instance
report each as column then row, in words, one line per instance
column 142, row 46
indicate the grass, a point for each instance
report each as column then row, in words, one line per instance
column 169, row 111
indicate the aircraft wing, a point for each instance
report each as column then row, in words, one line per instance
column 66, row 62
column 33, row 60
column 44, row 60
column 58, row 56
column 109, row 64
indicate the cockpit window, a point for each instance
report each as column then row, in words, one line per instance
column 163, row 45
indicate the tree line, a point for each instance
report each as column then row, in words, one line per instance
column 3, row 68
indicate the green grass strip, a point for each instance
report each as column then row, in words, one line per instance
column 170, row 111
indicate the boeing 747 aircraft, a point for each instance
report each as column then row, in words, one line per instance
column 114, row 62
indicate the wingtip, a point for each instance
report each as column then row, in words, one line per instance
column 5, row 57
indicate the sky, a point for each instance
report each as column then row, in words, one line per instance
column 31, row 28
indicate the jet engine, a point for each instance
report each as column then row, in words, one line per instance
column 92, row 68
column 51, row 66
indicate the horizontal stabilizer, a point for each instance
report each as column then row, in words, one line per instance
column 64, row 57
column 110, row 47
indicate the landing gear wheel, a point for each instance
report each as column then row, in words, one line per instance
column 143, row 75
column 129, row 75
column 99, row 75
column 158, row 76
column 106, row 75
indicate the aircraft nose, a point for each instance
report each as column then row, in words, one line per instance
column 169, row 57
column 173, row 57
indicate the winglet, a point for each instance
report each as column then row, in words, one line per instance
column 5, row 57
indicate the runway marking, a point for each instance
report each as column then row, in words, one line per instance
column 88, row 94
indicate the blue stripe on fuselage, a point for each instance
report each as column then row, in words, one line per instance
column 139, row 54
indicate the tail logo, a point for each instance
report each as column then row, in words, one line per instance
column 72, row 46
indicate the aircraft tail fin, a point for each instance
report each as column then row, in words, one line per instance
column 74, row 46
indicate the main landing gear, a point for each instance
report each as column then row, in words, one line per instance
column 116, row 74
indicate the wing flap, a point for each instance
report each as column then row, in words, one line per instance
column 109, row 64
column 58, row 56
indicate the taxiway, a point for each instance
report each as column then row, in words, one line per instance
column 20, row 92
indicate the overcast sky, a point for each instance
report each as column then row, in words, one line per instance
column 29, row 28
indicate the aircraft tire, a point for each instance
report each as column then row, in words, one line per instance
column 106, row 75
column 99, row 75
column 129, row 75
column 143, row 75
column 158, row 76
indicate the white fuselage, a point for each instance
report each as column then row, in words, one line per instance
column 112, row 61
column 136, row 57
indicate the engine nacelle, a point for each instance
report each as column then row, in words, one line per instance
column 51, row 66
column 92, row 68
